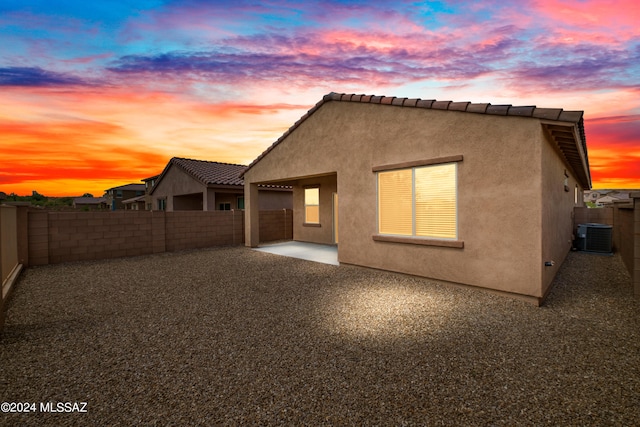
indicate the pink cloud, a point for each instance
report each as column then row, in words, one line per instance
column 619, row 17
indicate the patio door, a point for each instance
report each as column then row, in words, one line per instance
column 335, row 218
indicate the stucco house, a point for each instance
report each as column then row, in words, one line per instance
column 90, row 203
column 475, row 194
column 149, row 183
column 116, row 195
column 134, row 204
column 188, row 184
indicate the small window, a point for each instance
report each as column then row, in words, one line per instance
column 312, row 205
column 576, row 193
column 224, row 207
column 162, row 204
column 119, row 194
column 240, row 202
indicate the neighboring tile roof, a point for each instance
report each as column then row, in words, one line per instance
column 133, row 200
column 211, row 172
column 208, row 173
column 571, row 149
column 89, row 200
column 129, row 187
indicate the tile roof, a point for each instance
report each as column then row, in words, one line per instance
column 574, row 149
column 129, row 187
column 89, row 200
column 208, row 173
column 133, row 200
column 211, row 172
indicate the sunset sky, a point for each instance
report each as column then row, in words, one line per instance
column 96, row 94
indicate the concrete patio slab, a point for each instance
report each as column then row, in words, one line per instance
column 326, row 254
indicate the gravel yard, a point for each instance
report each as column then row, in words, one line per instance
column 232, row 336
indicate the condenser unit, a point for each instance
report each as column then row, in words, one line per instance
column 594, row 237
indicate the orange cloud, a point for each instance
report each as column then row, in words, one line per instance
column 109, row 138
column 614, row 151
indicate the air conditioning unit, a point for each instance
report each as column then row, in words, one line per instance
column 594, row 237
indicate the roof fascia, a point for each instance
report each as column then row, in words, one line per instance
column 577, row 140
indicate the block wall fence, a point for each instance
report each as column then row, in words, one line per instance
column 625, row 219
column 56, row 237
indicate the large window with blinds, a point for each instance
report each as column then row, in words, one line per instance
column 418, row 202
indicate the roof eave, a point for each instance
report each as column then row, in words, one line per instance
column 552, row 115
column 568, row 138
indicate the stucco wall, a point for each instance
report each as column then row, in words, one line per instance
column 323, row 232
column 557, row 210
column 499, row 187
column 175, row 183
column 183, row 192
column 275, row 199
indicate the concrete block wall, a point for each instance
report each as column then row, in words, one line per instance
column 583, row 215
column 56, row 237
column 625, row 219
column 623, row 234
column 635, row 272
column 38, row 237
column 200, row 229
column 13, row 249
column 80, row 236
column 276, row 225
column 8, row 242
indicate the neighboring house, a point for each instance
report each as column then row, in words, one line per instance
column 134, row 204
column 187, row 184
column 476, row 194
column 3, row 196
column 607, row 200
column 601, row 198
column 90, row 203
column 149, row 183
column 116, row 195
column 592, row 196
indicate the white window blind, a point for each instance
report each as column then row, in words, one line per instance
column 419, row 201
column 394, row 202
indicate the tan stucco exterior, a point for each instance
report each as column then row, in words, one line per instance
column 183, row 192
column 513, row 211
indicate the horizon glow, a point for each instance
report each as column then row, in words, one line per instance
column 99, row 94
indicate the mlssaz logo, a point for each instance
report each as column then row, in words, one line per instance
column 63, row 407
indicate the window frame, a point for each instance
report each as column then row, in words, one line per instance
column 414, row 239
column 304, row 205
